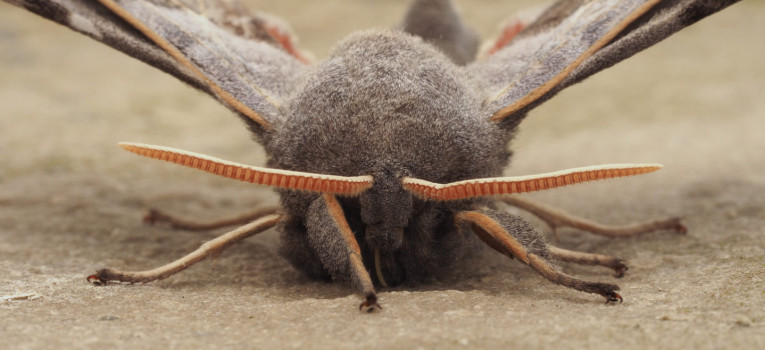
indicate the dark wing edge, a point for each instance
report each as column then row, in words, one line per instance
column 667, row 18
column 560, row 40
column 556, row 51
column 213, row 45
column 95, row 21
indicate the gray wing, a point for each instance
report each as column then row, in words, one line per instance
column 572, row 40
column 437, row 22
column 213, row 45
column 662, row 21
column 95, row 21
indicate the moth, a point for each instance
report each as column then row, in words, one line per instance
column 388, row 155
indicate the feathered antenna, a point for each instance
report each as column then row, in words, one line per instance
column 293, row 180
column 518, row 184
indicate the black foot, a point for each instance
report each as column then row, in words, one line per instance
column 370, row 305
column 613, row 297
column 97, row 280
column 620, row 269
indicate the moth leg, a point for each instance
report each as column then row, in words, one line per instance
column 557, row 218
column 337, row 248
column 213, row 247
column 582, row 258
column 514, row 237
column 156, row 216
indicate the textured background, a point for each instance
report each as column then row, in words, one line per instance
column 71, row 202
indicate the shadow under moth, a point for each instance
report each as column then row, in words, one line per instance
column 388, row 155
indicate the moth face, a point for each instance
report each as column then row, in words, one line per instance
column 385, row 209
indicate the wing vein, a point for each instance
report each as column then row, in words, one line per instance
column 227, row 55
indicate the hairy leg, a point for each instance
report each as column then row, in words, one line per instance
column 557, row 218
column 213, row 247
column 514, row 237
column 335, row 244
column 614, row 263
column 156, row 216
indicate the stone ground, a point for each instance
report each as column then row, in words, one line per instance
column 71, row 202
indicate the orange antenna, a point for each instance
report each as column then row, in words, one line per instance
column 519, row 184
column 294, row 180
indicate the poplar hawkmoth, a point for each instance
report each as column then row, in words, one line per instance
column 388, row 155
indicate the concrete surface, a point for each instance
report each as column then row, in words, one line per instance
column 71, row 202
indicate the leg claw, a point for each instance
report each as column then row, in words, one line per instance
column 614, row 297
column 96, row 280
column 370, row 305
column 620, row 270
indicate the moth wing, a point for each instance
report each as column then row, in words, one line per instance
column 572, row 40
column 438, row 23
column 92, row 19
column 246, row 62
column 665, row 19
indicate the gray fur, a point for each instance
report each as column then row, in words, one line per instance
column 296, row 249
column 385, row 103
column 522, row 231
column 322, row 231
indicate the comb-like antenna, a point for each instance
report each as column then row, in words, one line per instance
column 294, row 180
column 519, row 184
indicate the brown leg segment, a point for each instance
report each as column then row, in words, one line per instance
column 557, row 218
column 512, row 236
column 213, row 247
column 155, row 216
column 614, row 263
column 354, row 252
